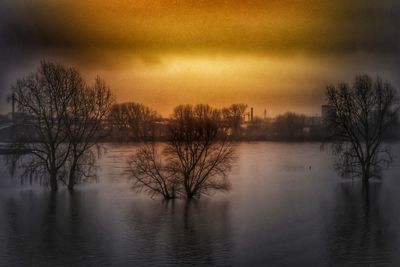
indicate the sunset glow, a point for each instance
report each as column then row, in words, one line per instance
column 274, row 55
column 199, row 133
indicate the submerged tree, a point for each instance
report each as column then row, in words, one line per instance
column 88, row 108
column 45, row 95
column 194, row 162
column 64, row 116
column 360, row 115
column 151, row 175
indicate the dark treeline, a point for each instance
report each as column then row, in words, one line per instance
column 59, row 122
column 132, row 122
column 135, row 122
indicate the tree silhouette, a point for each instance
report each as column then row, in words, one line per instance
column 65, row 115
column 289, row 125
column 361, row 113
column 194, row 162
column 152, row 174
column 233, row 117
column 88, row 108
column 132, row 122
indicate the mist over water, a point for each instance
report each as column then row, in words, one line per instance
column 287, row 207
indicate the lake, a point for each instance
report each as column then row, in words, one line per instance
column 287, row 207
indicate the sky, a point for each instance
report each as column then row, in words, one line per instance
column 273, row 55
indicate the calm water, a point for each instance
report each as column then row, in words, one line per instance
column 279, row 213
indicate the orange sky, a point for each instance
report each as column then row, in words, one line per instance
column 277, row 55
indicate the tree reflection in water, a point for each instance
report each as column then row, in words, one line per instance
column 184, row 233
column 357, row 227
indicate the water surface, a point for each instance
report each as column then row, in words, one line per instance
column 287, row 207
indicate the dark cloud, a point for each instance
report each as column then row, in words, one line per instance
column 99, row 33
column 309, row 27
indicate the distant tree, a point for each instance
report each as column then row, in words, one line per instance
column 289, row 126
column 362, row 113
column 233, row 116
column 194, row 162
column 64, row 114
column 118, row 121
column 133, row 121
column 258, row 129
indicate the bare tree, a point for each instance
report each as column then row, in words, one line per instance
column 118, row 120
column 361, row 114
column 65, row 116
column 194, row 162
column 234, row 116
column 133, row 121
column 88, row 108
column 203, row 153
column 45, row 95
column 150, row 174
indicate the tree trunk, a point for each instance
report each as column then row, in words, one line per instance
column 365, row 181
column 365, row 192
column 53, row 180
column 53, row 171
column 71, row 179
column 189, row 193
column 168, row 197
column 366, row 174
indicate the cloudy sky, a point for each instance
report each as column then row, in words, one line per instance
column 275, row 54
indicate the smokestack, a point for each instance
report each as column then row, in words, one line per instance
column 251, row 114
column 265, row 114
